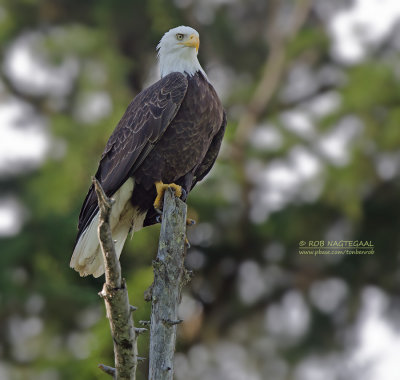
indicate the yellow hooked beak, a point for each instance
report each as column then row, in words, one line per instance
column 193, row 41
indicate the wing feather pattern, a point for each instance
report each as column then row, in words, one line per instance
column 211, row 155
column 144, row 122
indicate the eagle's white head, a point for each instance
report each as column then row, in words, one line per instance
column 177, row 51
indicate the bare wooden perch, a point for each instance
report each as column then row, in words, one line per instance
column 169, row 277
column 115, row 296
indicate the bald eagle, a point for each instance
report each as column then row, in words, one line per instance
column 169, row 136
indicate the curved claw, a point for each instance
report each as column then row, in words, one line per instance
column 190, row 222
column 184, row 194
column 187, row 243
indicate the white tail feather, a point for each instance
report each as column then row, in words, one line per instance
column 87, row 257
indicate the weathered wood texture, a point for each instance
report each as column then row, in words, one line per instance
column 169, row 277
column 116, row 299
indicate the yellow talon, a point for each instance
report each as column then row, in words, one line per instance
column 190, row 222
column 161, row 187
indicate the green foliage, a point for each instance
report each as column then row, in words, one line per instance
column 112, row 44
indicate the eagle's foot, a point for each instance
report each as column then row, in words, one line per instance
column 161, row 187
column 190, row 222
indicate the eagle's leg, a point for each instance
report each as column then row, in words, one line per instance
column 161, row 187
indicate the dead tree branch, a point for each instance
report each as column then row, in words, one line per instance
column 169, row 278
column 273, row 69
column 115, row 296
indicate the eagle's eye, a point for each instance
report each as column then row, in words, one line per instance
column 179, row 36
